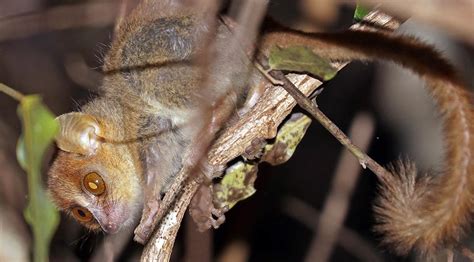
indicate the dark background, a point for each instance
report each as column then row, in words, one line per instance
column 64, row 67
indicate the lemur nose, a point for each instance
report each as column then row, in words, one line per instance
column 111, row 228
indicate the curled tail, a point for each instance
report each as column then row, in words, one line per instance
column 414, row 212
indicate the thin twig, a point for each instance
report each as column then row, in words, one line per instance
column 372, row 21
column 312, row 108
column 11, row 92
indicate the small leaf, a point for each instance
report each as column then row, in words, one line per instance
column 287, row 139
column 301, row 59
column 360, row 12
column 39, row 130
column 236, row 185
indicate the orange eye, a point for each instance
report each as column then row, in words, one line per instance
column 81, row 214
column 94, row 183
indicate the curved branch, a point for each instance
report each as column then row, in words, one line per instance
column 260, row 122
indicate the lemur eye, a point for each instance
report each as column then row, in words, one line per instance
column 94, row 183
column 82, row 214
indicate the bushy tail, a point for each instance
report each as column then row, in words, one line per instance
column 413, row 211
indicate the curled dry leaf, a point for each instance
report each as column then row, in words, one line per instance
column 236, row 185
column 287, row 139
column 239, row 179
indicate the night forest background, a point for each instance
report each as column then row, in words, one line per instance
column 279, row 222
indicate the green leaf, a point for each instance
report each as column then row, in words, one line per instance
column 360, row 12
column 301, row 59
column 39, row 130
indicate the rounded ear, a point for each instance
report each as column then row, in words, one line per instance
column 79, row 133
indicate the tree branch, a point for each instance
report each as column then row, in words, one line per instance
column 261, row 122
column 94, row 14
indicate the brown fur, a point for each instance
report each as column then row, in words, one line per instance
column 116, row 162
column 417, row 212
column 146, row 91
column 148, row 113
column 150, row 90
